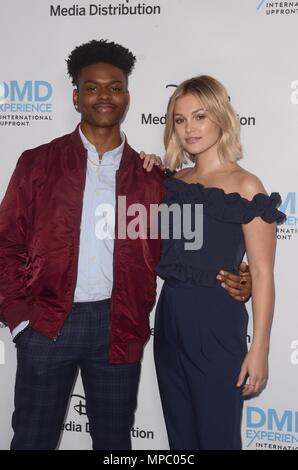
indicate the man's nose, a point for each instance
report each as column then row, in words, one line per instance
column 103, row 93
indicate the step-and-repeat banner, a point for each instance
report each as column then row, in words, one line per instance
column 250, row 46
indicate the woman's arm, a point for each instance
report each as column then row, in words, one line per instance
column 260, row 241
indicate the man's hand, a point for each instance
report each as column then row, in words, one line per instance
column 238, row 286
column 151, row 160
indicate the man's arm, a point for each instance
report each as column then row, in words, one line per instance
column 14, row 217
column 238, row 286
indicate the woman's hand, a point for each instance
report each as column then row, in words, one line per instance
column 151, row 160
column 255, row 369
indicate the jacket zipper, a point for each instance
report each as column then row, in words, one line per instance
column 114, row 257
column 54, row 338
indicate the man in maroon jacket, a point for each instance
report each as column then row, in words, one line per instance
column 71, row 298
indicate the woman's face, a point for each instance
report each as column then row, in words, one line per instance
column 196, row 132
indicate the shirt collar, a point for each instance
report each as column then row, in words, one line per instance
column 112, row 157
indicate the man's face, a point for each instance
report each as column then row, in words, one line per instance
column 102, row 96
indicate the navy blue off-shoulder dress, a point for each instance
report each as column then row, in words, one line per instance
column 200, row 330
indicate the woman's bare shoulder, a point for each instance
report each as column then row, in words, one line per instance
column 248, row 184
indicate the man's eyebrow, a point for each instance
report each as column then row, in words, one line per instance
column 98, row 82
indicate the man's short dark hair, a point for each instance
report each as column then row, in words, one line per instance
column 93, row 52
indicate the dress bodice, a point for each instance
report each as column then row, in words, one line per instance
column 223, row 242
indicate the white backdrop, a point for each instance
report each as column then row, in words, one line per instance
column 249, row 45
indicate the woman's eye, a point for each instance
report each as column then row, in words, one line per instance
column 200, row 116
column 178, row 121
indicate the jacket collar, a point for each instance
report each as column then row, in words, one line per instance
column 128, row 156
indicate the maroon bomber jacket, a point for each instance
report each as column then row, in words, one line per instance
column 40, row 219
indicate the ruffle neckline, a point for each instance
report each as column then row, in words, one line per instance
column 226, row 207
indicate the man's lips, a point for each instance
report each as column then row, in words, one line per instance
column 104, row 107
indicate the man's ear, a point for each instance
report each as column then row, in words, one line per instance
column 75, row 99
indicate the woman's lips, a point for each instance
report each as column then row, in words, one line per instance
column 192, row 140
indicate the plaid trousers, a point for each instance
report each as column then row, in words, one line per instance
column 46, row 372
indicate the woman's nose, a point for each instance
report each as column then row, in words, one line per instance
column 188, row 126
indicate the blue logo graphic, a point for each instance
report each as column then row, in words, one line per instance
column 271, row 425
column 289, row 204
column 38, row 90
column 289, row 207
column 30, row 96
column 257, row 418
column 260, row 4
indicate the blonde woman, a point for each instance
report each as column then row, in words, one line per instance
column 204, row 369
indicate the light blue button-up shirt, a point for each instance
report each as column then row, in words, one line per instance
column 95, row 264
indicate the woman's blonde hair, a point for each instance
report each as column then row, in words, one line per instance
column 215, row 99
